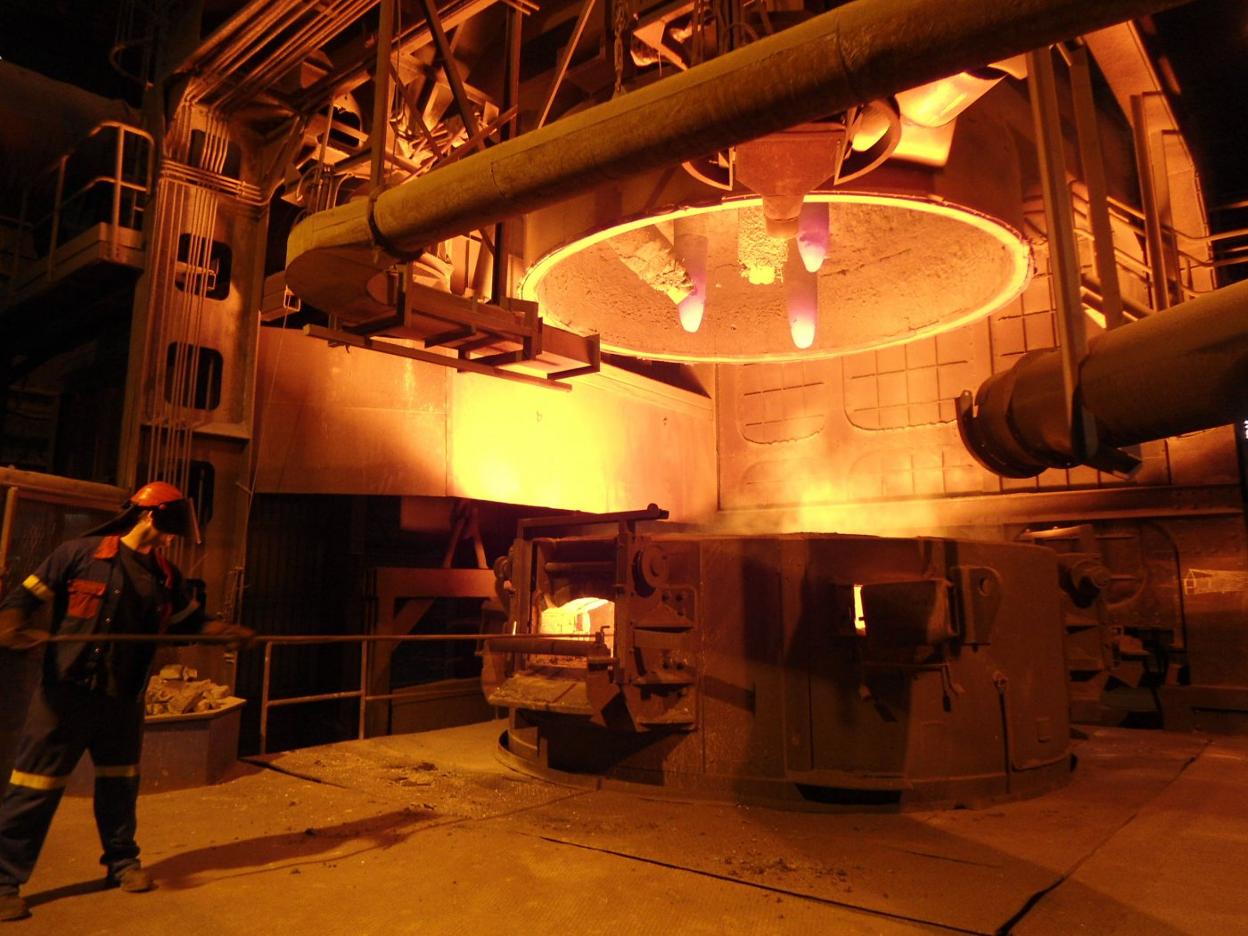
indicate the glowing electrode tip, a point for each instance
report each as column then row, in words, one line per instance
column 812, row 235
column 802, row 301
column 802, row 327
column 691, row 309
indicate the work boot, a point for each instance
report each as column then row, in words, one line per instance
column 13, row 907
column 132, row 879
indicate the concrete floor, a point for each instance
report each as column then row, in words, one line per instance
column 428, row 833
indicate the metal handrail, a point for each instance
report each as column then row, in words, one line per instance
column 266, row 703
column 1189, row 262
column 1135, row 219
column 1125, row 211
column 31, row 485
column 53, row 216
column 271, row 640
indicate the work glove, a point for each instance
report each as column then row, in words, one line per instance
column 16, row 632
column 244, row 637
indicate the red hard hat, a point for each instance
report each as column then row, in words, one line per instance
column 156, row 494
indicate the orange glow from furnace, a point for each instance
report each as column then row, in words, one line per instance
column 593, row 449
column 938, row 102
column 1015, row 247
column 583, row 616
column 860, row 617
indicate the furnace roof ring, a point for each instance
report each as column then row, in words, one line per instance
column 898, row 267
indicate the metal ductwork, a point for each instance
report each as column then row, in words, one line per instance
column 1180, row 371
column 856, row 53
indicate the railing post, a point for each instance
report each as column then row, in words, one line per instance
column 6, row 531
column 118, row 172
column 363, row 686
column 264, row 698
column 56, row 213
column 1060, row 238
column 18, row 240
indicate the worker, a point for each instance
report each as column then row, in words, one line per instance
column 114, row 580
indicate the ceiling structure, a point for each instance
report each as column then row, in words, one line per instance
column 1202, row 45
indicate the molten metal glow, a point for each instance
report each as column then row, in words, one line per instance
column 860, row 618
column 760, row 275
column 812, row 235
column 578, row 616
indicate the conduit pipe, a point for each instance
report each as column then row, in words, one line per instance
column 850, row 55
column 1178, row 371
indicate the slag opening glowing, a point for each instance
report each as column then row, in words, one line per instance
column 580, row 616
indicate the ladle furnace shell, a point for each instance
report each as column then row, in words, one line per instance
column 803, row 668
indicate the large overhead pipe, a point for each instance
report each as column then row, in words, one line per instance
column 850, row 55
column 1177, row 371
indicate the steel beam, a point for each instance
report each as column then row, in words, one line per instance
column 566, row 59
column 1093, row 163
column 499, row 267
column 428, row 357
column 356, row 72
column 1158, row 278
column 1079, row 432
column 447, row 57
column 381, row 98
column 55, row 489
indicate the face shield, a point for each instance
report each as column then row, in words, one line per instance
column 177, row 517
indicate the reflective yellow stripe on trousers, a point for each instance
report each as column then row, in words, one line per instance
column 34, row 781
column 123, row 770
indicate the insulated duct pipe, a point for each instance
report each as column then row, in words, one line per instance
column 1177, row 371
column 853, row 54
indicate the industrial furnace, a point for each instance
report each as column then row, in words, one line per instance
column 793, row 270
column 801, row 668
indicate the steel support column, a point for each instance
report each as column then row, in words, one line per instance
column 1092, row 161
column 451, row 70
column 1158, row 280
column 381, row 98
column 1064, row 279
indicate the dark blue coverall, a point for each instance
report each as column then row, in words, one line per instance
column 90, row 696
